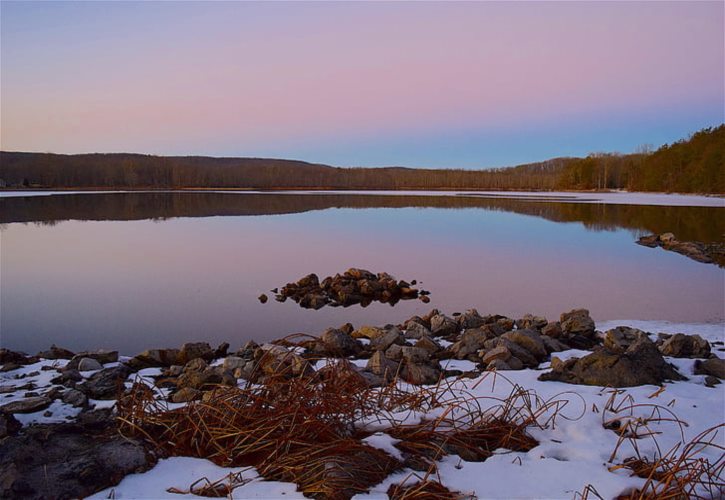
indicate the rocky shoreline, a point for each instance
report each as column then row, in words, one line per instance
column 707, row 253
column 84, row 387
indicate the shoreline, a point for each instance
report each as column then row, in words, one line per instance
column 434, row 354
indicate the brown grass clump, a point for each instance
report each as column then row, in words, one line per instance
column 423, row 490
column 309, row 429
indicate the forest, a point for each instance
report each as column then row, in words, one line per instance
column 694, row 165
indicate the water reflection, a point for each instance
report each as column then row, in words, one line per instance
column 132, row 271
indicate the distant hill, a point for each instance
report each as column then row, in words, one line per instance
column 693, row 165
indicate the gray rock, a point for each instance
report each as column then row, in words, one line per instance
column 470, row 319
column 234, row 362
column 196, row 364
column 339, row 343
column 386, row 339
column 428, row 344
column 500, row 352
column 577, row 322
column 105, row 384
column 394, row 352
column 685, row 346
column 471, row 341
column 529, row 340
column 552, row 330
column 528, row 359
column 381, row 366
column 152, row 358
column 420, row 374
column 498, row 365
column 640, row 364
column 714, row 367
column 102, row 356
column 56, row 352
column 68, row 460
column 194, row 350
column 442, row 326
column 26, row 405
column 414, row 330
column 89, row 364
column 553, row 345
column 414, row 354
column 532, row 322
column 620, row 338
column 75, row 398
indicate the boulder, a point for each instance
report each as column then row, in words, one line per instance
column 553, row 345
column 394, row 352
column 552, row 330
column 155, row 358
column 105, row 384
column 26, row 405
column 186, row 394
column 88, row 364
column 442, row 326
column 75, row 398
column 9, row 425
column 428, row 344
column 577, row 322
column 499, row 352
column 234, row 362
column 8, row 357
column 498, row 365
column 414, row 330
column 199, row 379
column 101, row 356
column 195, row 365
column 714, row 367
column 414, row 354
column 640, row 364
column 367, row 332
column 685, row 346
column 470, row 319
column 277, row 360
column 386, row 339
column 471, row 341
column 619, row 339
column 56, row 352
column 526, row 357
column 420, row 374
column 529, row 340
column 339, row 343
column 194, row 350
column 69, row 460
column 380, row 365
column 532, row 322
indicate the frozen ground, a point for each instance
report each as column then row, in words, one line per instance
column 574, row 450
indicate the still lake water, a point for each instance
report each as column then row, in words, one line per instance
column 131, row 271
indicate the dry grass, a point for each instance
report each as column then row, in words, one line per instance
column 309, row 429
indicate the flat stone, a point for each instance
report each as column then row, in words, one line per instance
column 26, row 405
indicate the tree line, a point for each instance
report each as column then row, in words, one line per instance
column 692, row 165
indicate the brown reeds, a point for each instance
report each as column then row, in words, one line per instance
column 423, row 490
column 308, row 429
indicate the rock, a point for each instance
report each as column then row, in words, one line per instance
column 531, row 322
column 380, row 365
column 498, row 365
column 552, row 330
column 88, row 364
column 199, row 379
column 414, row 354
column 470, row 319
column 75, row 398
column 367, row 332
column 152, row 358
column 640, row 364
column 685, row 346
column 339, row 343
column 248, row 350
column 529, row 340
column 471, row 341
column 527, row 358
column 186, row 394
column 394, row 352
column 105, row 384
column 263, row 298
column 499, row 352
column 68, row 460
column 711, row 381
column 714, row 367
column 420, row 374
column 26, row 405
column 56, row 352
column 428, row 344
column 386, row 339
column 67, row 378
column 442, row 326
column 101, row 356
column 553, row 345
column 277, row 360
column 196, row 364
column 619, row 339
column 414, row 330
column 8, row 357
column 221, row 350
column 577, row 322
column 194, row 350
column 234, row 362
column 515, row 363
column 9, row 425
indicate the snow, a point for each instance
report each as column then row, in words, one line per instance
column 574, row 448
column 613, row 197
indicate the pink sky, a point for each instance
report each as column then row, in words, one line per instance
column 441, row 84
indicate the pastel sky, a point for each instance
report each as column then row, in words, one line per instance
column 418, row 84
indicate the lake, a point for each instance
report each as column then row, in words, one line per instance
column 131, row 271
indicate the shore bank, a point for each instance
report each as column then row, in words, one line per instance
column 426, row 380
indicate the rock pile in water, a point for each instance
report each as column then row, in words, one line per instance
column 354, row 286
column 707, row 253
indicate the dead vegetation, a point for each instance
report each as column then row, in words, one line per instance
column 310, row 429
